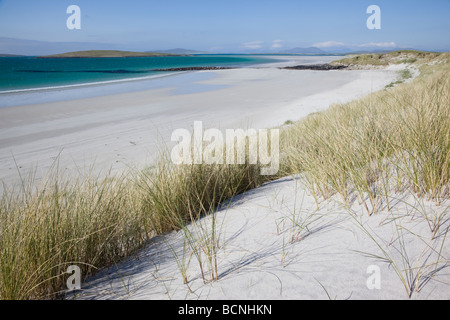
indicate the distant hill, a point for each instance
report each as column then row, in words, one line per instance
column 180, row 51
column 341, row 50
column 107, row 54
column 310, row 50
column 3, row 55
column 385, row 59
column 379, row 51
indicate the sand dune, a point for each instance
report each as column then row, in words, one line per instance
column 276, row 244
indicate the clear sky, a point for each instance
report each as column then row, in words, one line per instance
column 231, row 25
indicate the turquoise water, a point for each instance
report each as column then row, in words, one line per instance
column 28, row 73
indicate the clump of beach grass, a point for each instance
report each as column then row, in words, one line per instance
column 177, row 197
column 95, row 222
column 390, row 141
column 88, row 222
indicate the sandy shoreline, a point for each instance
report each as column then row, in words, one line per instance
column 128, row 129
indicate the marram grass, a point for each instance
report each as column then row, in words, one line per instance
column 390, row 141
column 95, row 222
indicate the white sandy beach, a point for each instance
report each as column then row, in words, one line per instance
column 128, row 129
column 264, row 254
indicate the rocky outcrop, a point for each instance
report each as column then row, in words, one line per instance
column 317, row 67
column 194, row 69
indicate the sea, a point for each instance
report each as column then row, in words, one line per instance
column 22, row 74
column 33, row 80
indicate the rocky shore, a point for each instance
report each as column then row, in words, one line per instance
column 317, row 67
column 194, row 69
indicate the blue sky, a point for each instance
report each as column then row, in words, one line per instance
column 229, row 25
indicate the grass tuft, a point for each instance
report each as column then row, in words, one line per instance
column 392, row 140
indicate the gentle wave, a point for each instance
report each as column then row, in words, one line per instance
column 88, row 84
column 86, row 71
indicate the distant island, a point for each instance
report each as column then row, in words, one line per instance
column 3, row 55
column 195, row 69
column 108, row 54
